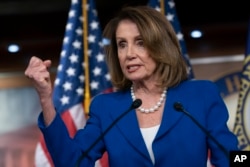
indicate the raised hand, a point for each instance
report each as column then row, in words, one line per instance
column 37, row 71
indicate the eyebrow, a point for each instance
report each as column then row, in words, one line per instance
column 136, row 37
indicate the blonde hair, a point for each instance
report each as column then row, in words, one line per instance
column 160, row 40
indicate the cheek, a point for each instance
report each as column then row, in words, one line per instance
column 121, row 51
column 121, row 59
column 121, row 55
column 152, row 65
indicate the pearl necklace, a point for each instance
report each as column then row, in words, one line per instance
column 155, row 107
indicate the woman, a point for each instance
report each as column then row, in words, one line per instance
column 145, row 62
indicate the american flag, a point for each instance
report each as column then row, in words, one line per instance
column 171, row 15
column 70, row 80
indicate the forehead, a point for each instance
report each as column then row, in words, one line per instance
column 126, row 27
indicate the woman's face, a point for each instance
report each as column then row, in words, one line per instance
column 135, row 61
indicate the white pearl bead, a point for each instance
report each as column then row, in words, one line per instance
column 155, row 107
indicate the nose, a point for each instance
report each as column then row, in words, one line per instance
column 130, row 52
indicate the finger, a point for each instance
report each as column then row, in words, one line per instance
column 47, row 63
column 37, row 67
column 34, row 61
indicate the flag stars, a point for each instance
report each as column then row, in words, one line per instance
column 107, row 76
column 60, row 67
column 79, row 91
column 97, row 71
column 89, row 52
column 94, row 25
column 179, row 36
column 94, row 85
column 57, row 81
column 80, row 18
column 63, row 53
column 94, row 12
column 91, row 38
column 81, row 78
column 84, row 65
column 79, row 31
column 87, row 7
column 66, row 40
column 69, row 27
column 71, row 71
column 67, row 86
column 74, row 2
column 158, row 8
column 70, row 79
column 64, row 100
column 100, row 57
column 171, row 4
column 170, row 17
column 77, row 44
column 101, row 44
column 73, row 58
column 72, row 13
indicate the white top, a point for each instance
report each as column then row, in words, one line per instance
column 148, row 136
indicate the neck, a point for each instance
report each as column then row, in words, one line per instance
column 147, row 89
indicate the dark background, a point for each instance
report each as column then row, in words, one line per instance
column 38, row 27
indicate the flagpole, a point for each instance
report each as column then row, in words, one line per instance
column 85, row 54
column 162, row 6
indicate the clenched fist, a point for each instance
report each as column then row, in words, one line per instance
column 37, row 72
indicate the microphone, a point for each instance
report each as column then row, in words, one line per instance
column 136, row 103
column 179, row 107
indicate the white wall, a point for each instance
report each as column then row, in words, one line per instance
column 19, row 107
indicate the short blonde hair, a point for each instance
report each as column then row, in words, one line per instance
column 160, row 40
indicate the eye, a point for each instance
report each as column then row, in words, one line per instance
column 140, row 42
column 121, row 44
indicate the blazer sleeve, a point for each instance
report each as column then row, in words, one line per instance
column 64, row 150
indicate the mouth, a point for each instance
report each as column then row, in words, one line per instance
column 132, row 68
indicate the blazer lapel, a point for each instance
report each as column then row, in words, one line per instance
column 170, row 115
column 128, row 125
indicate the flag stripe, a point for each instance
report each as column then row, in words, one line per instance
column 69, row 122
column 42, row 157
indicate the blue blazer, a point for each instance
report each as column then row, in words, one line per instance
column 179, row 141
